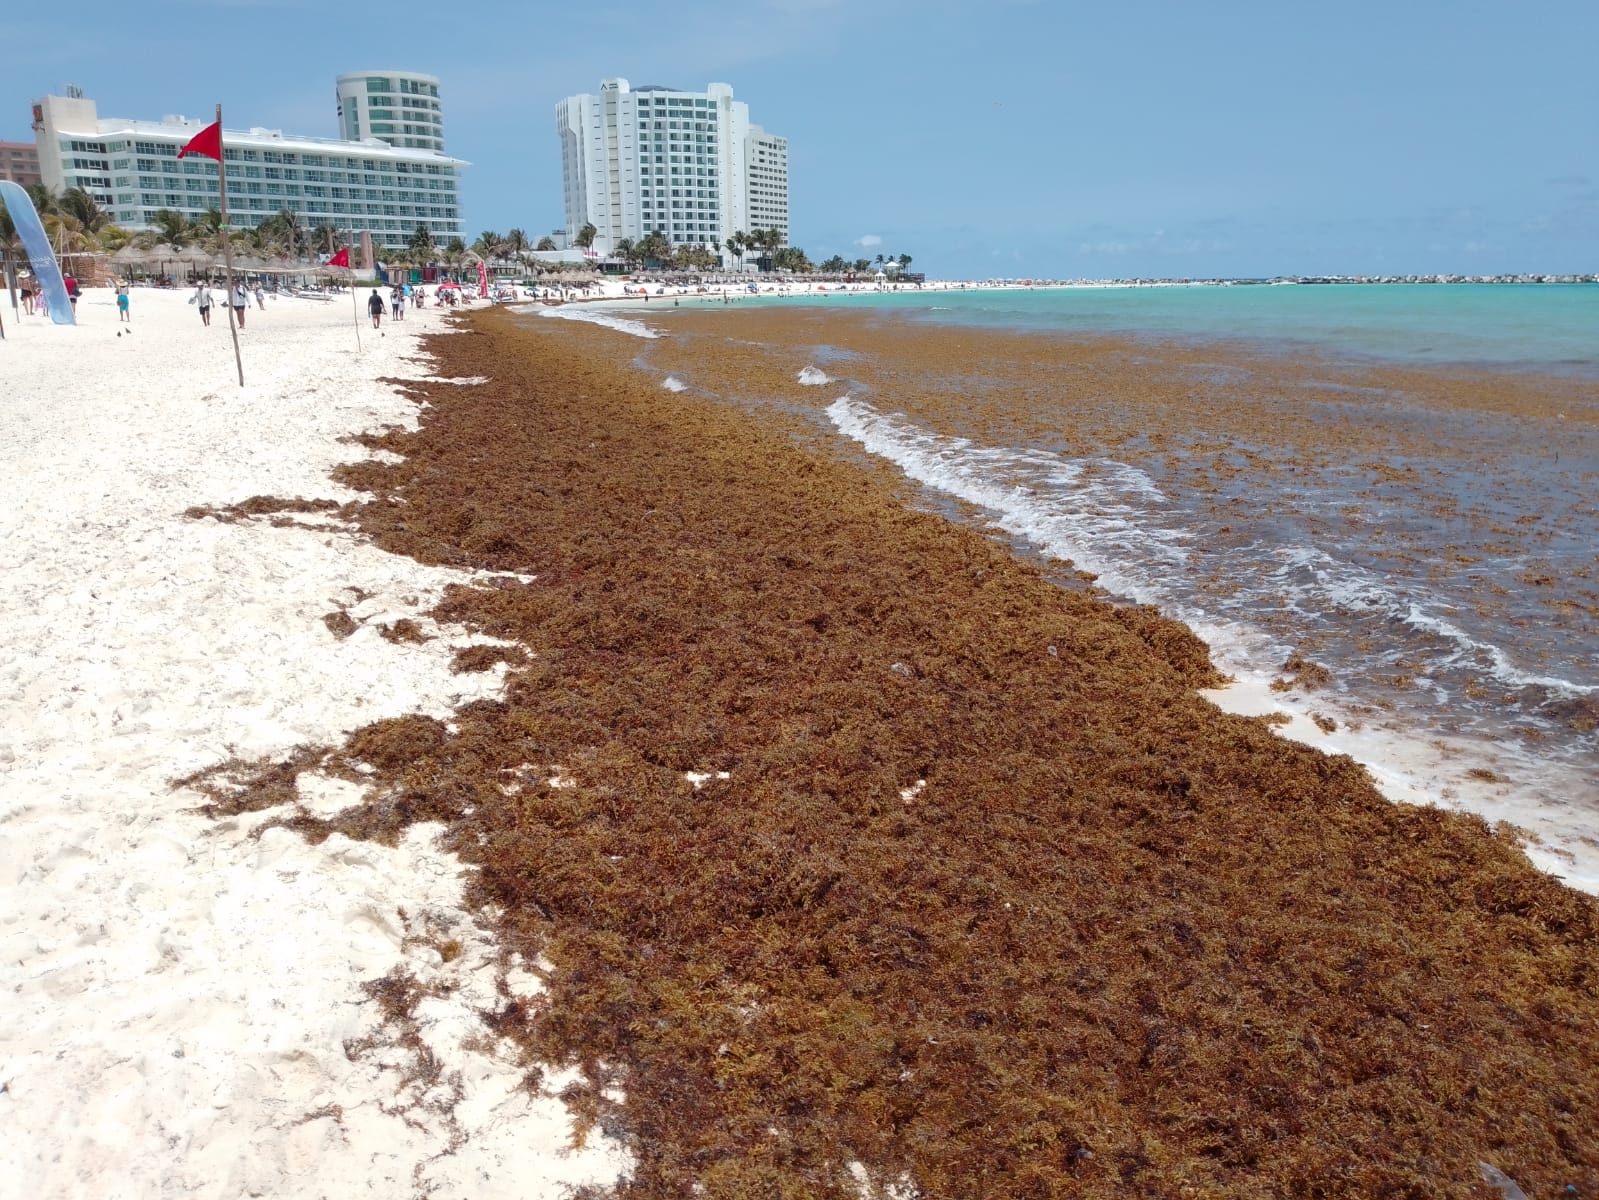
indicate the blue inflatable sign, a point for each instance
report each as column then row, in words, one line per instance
column 40, row 256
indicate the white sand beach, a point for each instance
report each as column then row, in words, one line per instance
column 178, row 994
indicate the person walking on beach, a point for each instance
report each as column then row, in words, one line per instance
column 260, row 299
column 27, row 296
column 395, row 300
column 71, row 284
column 241, row 301
column 122, row 305
column 374, row 305
column 202, row 300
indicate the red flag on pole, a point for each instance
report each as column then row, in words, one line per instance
column 207, row 142
column 341, row 259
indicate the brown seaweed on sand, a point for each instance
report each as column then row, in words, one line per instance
column 969, row 889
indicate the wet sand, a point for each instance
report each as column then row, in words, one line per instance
column 851, row 847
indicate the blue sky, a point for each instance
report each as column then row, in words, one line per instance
column 1008, row 137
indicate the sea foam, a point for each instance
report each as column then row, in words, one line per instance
column 600, row 317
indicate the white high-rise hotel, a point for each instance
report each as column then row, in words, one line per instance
column 387, row 174
column 688, row 164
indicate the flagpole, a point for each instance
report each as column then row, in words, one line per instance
column 350, row 271
column 227, row 249
column 355, row 309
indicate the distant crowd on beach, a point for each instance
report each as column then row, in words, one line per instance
column 206, row 295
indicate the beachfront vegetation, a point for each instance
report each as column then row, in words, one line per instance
column 77, row 225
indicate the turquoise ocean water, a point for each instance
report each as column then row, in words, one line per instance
column 1542, row 326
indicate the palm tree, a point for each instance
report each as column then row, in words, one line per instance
column 545, row 243
column 421, row 247
column 294, row 232
column 625, row 250
column 586, row 236
column 172, row 227
column 488, row 244
column 792, row 258
column 323, row 234
column 904, row 261
column 77, row 203
column 454, row 254
column 112, row 238
column 44, row 200
column 517, row 246
column 654, row 247
column 735, row 245
column 488, row 247
column 282, row 234
column 862, row 265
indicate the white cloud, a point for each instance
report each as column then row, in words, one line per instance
column 869, row 240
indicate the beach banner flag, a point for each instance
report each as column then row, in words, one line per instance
column 341, row 259
column 30, row 230
column 207, row 142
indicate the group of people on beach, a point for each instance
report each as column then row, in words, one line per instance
column 31, row 293
column 401, row 297
column 237, row 295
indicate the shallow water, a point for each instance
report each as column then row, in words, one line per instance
column 1550, row 326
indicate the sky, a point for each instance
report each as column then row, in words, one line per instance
column 1000, row 138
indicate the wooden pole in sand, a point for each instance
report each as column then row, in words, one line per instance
column 355, row 309
column 227, row 252
column 350, row 271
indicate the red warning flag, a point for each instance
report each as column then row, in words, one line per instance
column 341, row 259
column 207, row 142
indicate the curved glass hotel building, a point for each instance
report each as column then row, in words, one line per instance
column 689, row 164
column 387, row 175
